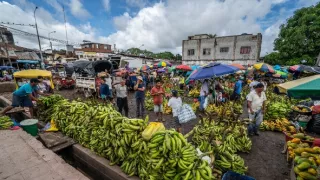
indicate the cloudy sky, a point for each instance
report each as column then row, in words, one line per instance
column 158, row 24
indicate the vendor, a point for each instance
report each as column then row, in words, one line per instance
column 23, row 96
column 43, row 86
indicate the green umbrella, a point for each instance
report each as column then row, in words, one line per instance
column 171, row 69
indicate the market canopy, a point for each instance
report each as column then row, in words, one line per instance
column 264, row 67
column 213, row 70
column 302, row 88
column 238, row 66
column 304, row 68
column 184, row 67
column 194, row 67
column 32, row 73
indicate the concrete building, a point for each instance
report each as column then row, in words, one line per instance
column 203, row 48
column 93, row 51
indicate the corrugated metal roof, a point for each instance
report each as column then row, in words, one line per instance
column 27, row 55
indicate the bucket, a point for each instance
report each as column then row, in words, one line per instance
column 30, row 126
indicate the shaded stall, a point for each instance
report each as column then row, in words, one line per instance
column 302, row 88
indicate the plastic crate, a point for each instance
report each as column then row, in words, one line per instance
column 303, row 124
column 230, row 175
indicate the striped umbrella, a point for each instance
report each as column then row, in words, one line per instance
column 144, row 68
column 264, row 67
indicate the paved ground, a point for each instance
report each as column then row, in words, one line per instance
column 23, row 157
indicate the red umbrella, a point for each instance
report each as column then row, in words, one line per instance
column 238, row 66
column 184, row 67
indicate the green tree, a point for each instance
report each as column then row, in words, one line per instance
column 299, row 37
column 178, row 57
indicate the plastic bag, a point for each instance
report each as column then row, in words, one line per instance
column 151, row 129
column 186, row 114
column 50, row 127
column 205, row 158
column 205, row 104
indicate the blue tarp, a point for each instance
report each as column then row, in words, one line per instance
column 213, row 70
column 28, row 61
column 5, row 68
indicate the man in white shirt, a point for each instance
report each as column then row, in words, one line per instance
column 256, row 108
column 175, row 103
column 203, row 93
column 122, row 93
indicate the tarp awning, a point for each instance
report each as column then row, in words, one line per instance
column 28, row 61
column 302, row 88
column 33, row 73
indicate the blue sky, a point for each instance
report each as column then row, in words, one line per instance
column 160, row 25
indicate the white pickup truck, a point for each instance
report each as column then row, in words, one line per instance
column 86, row 85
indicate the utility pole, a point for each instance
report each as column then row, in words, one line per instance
column 50, row 39
column 65, row 26
column 7, row 52
column 35, row 20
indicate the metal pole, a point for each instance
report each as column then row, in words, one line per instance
column 50, row 39
column 65, row 26
column 35, row 20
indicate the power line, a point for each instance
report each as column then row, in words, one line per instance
column 18, row 24
column 20, row 32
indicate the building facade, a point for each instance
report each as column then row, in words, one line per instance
column 203, row 48
column 93, row 51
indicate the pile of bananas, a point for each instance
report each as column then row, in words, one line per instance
column 195, row 106
column 223, row 137
column 195, row 93
column 282, row 124
column 45, row 106
column 148, row 101
column 5, row 122
column 99, row 127
column 172, row 157
column 226, row 109
column 166, row 108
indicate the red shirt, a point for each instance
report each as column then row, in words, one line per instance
column 157, row 99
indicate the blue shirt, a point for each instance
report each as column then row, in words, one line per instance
column 25, row 90
column 238, row 87
column 104, row 90
column 140, row 94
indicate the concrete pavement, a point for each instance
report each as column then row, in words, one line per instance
column 22, row 157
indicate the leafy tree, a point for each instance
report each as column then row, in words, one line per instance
column 178, row 57
column 273, row 58
column 299, row 38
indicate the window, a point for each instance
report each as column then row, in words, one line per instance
column 105, row 46
column 224, row 49
column 206, row 51
column 97, row 46
column 190, row 52
column 245, row 50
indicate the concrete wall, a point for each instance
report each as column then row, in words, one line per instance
column 234, row 43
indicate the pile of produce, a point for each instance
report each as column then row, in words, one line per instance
column 148, row 101
column 224, row 138
column 123, row 141
column 195, row 105
column 282, row 124
column 45, row 106
column 277, row 109
column 195, row 93
column 301, row 109
column 166, row 108
column 226, row 110
column 306, row 159
column 5, row 122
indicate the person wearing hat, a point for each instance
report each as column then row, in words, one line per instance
column 23, row 96
column 175, row 103
column 140, row 95
column 237, row 89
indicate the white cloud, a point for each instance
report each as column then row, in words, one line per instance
column 46, row 24
column 78, row 10
column 136, row 3
column 87, row 27
column 106, row 5
column 121, row 22
column 55, row 4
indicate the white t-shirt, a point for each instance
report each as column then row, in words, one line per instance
column 109, row 82
column 175, row 104
column 256, row 101
column 204, row 88
column 121, row 91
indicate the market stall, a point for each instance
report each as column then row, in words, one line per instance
column 302, row 88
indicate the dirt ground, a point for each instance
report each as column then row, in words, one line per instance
column 265, row 160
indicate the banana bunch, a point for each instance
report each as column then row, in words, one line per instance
column 194, row 93
column 282, row 124
column 166, row 108
column 148, row 101
column 228, row 161
column 225, row 111
column 172, row 157
column 5, row 122
column 195, row 106
column 45, row 106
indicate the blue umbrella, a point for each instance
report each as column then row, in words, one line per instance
column 213, row 70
